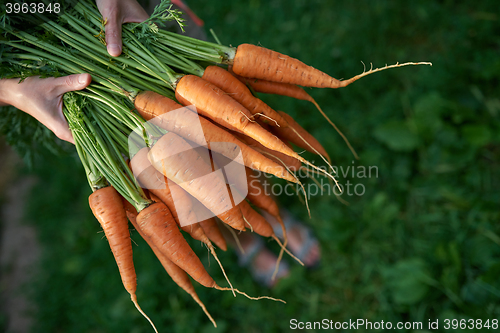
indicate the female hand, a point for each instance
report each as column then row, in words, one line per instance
column 115, row 13
column 42, row 99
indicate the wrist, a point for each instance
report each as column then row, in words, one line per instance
column 8, row 89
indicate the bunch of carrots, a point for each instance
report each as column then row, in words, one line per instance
column 135, row 134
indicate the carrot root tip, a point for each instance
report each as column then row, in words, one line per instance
column 212, row 250
column 287, row 251
column 250, row 297
column 134, row 300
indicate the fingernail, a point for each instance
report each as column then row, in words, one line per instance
column 114, row 50
column 82, row 78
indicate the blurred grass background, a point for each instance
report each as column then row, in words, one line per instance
column 422, row 242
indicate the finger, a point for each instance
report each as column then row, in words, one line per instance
column 72, row 82
column 138, row 16
column 113, row 36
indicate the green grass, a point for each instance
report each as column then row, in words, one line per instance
column 422, row 243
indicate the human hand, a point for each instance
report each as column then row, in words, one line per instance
column 115, row 13
column 42, row 99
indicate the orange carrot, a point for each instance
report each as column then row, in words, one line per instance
column 258, row 196
column 176, row 273
column 261, row 63
column 107, row 207
column 237, row 90
column 291, row 163
column 151, row 105
column 224, row 80
column 187, row 169
column 241, row 95
column 212, row 102
column 152, row 180
column 194, row 230
column 213, row 233
column 259, row 224
column 290, row 90
column 257, row 62
column 158, row 224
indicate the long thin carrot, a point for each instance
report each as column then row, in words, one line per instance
column 258, row 62
column 194, row 230
column 214, row 103
column 151, row 105
column 176, row 273
column 106, row 204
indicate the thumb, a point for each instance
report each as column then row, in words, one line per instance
column 72, row 83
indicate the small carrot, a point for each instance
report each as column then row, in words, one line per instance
column 258, row 196
column 259, row 224
column 107, row 207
